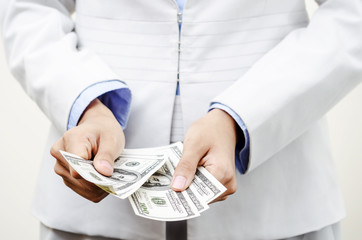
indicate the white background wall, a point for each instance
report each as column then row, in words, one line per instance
column 23, row 130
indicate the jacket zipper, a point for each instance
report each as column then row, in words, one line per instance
column 179, row 21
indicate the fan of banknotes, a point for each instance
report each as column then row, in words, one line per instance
column 144, row 176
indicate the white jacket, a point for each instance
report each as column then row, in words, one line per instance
column 261, row 58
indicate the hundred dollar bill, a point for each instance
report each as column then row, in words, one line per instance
column 130, row 171
column 150, row 200
column 155, row 200
column 144, row 176
column 204, row 186
column 191, row 191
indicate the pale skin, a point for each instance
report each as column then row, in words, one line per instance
column 210, row 142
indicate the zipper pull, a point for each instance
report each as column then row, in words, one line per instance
column 179, row 17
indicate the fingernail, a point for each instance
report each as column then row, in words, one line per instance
column 106, row 165
column 179, row 182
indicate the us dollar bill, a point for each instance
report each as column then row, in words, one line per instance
column 153, row 199
column 144, row 176
column 204, row 185
column 131, row 170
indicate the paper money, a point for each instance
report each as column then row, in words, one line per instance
column 204, row 185
column 144, row 176
column 131, row 170
column 156, row 202
column 155, row 199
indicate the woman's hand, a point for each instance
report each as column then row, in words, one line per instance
column 209, row 142
column 99, row 135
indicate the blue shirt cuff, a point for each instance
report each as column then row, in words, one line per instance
column 113, row 93
column 242, row 149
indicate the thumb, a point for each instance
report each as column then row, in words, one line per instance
column 108, row 151
column 185, row 170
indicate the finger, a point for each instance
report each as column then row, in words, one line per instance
column 64, row 164
column 231, row 188
column 61, row 170
column 65, row 171
column 55, row 149
column 220, row 165
column 90, row 191
column 185, row 170
column 79, row 144
column 74, row 173
column 68, row 168
column 85, row 189
column 109, row 149
column 55, row 152
column 219, row 199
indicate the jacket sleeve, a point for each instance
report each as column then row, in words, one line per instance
column 41, row 47
column 299, row 80
column 113, row 94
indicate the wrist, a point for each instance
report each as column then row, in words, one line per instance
column 228, row 122
column 94, row 110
